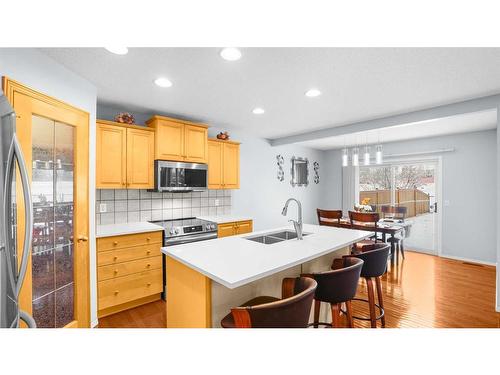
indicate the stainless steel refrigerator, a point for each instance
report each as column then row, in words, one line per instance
column 12, row 267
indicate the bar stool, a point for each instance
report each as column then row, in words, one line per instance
column 374, row 266
column 292, row 311
column 336, row 287
column 329, row 217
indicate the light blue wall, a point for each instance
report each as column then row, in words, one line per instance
column 36, row 70
column 469, row 183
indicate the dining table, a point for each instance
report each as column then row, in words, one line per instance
column 386, row 227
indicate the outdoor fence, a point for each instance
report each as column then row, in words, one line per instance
column 416, row 201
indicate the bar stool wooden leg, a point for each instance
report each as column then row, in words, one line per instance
column 317, row 306
column 335, row 315
column 371, row 302
column 349, row 314
column 401, row 247
column 380, row 298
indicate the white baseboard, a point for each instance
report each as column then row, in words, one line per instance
column 468, row 260
column 94, row 323
column 497, row 308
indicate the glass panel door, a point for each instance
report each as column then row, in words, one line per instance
column 52, row 252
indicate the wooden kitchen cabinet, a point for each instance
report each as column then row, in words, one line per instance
column 111, row 156
column 234, row 228
column 124, row 156
column 178, row 140
column 129, row 271
column 223, row 164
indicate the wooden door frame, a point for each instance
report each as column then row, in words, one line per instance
column 81, row 257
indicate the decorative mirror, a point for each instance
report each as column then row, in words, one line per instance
column 299, row 172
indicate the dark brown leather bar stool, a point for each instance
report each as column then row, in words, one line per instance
column 375, row 259
column 329, row 217
column 292, row 311
column 336, row 287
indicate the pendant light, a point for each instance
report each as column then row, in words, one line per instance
column 378, row 154
column 355, row 157
column 345, row 157
column 366, row 158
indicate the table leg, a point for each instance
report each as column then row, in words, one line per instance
column 393, row 250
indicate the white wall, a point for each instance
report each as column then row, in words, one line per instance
column 469, row 183
column 36, row 70
column 261, row 195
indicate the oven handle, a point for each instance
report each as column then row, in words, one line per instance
column 188, row 239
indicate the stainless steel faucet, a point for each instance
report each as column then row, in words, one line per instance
column 297, row 224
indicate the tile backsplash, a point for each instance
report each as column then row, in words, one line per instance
column 127, row 206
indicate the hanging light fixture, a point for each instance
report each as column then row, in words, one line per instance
column 366, row 156
column 378, row 154
column 355, row 157
column 345, row 157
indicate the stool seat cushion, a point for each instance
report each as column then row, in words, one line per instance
column 228, row 320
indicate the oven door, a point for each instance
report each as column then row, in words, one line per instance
column 180, row 177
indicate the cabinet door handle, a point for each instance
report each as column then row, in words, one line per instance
column 115, row 243
column 148, row 252
column 116, row 292
column 148, row 239
column 116, row 271
column 115, row 258
column 149, row 284
column 148, row 265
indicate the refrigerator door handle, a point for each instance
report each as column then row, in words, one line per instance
column 28, row 211
column 7, row 218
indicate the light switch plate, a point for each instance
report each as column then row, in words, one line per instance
column 446, row 202
column 103, row 207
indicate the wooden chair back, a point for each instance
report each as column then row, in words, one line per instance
column 361, row 218
column 329, row 217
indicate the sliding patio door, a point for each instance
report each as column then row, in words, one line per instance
column 413, row 186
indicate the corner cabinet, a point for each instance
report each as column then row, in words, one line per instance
column 223, row 164
column 124, row 156
column 179, row 140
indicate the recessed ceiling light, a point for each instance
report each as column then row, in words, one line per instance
column 258, row 111
column 230, row 54
column 163, row 82
column 312, row 93
column 118, row 50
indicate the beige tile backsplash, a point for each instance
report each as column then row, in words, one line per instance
column 124, row 206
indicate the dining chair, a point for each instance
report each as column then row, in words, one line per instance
column 365, row 219
column 292, row 311
column 329, row 217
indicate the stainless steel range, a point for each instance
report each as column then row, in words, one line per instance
column 181, row 231
column 177, row 232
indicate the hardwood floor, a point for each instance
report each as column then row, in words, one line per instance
column 422, row 291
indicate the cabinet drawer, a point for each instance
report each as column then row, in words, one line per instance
column 226, row 230
column 118, row 242
column 125, row 255
column 128, row 288
column 122, row 269
column 244, row 227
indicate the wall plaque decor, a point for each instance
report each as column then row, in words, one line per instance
column 316, row 172
column 281, row 173
column 299, row 171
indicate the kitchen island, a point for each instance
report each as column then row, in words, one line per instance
column 205, row 279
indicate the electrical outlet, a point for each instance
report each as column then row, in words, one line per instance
column 217, row 202
column 446, row 202
column 103, row 207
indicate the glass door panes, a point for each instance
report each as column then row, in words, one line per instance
column 52, row 191
column 375, row 186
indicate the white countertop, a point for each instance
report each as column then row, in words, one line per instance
column 224, row 218
column 126, row 228
column 235, row 261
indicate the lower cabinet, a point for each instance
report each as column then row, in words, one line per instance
column 234, row 228
column 129, row 271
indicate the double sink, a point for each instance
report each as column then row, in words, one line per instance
column 275, row 237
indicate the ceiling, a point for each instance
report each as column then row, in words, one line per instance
column 470, row 122
column 357, row 84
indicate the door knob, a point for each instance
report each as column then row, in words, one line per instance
column 83, row 239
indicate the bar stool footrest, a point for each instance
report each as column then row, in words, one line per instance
column 381, row 310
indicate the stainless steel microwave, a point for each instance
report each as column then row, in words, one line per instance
column 180, row 177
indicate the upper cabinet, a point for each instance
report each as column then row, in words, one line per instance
column 223, row 164
column 179, row 140
column 124, row 157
